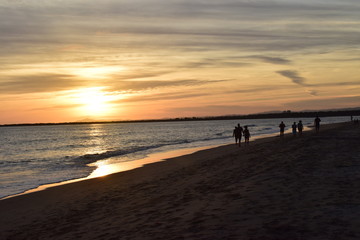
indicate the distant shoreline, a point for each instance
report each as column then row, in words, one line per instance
column 285, row 114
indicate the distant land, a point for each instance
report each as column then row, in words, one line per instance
column 274, row 114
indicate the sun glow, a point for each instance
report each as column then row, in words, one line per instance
column 94, row 101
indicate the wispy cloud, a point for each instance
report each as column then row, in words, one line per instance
column 334, row 84
column 330, row 102
column 152, row 84
column 213, row 110
column 38, row 83
column 273, row 60
column 54, row 107
column 162, row 97
column 313, row 92
column 139, row 74
column 166, row 47
column 216, row 62
column 293, row 76
column 294, row 24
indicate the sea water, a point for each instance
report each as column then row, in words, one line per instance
column 31, row 156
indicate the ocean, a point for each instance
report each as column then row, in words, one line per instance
column 31, row 156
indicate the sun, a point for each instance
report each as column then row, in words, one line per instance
column 94, row 101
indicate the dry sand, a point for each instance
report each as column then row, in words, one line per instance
column 293, row 188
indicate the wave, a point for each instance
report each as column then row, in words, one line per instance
column 89, row 158
column 93, row 157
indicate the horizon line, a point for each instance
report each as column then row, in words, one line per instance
column 271, row 114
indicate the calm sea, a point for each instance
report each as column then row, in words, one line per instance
column 31, row 156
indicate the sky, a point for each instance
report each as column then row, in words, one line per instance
column 78, row 60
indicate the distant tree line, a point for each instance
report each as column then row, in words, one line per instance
column 284, row 114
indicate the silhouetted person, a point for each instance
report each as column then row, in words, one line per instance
column 317, row 124
column 300, row 127
column 237, row 134
column 282, row 128
column 294, row 127
column 246, row 135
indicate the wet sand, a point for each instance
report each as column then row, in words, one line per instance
column 293, row 188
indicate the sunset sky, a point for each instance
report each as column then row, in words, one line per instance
column 71, row 60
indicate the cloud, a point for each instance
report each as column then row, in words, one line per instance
column 151, row 84
column 215, row 62
column 138, row 74
column 64, row 106
column 38, row 83
column 334, row 84
column 330, row 102
column 313, row 92
column 273, row 60
column 234, row 61
column 264, row 88
column 211, row 25
column 162, row 97
column 293, row 76
column 157, row 40
column 214, row 110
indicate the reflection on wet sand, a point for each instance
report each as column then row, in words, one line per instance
column 103, row 169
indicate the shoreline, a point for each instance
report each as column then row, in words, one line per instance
column 293, row 188
column 138, row 163
column 114, row 168
column 109, row 169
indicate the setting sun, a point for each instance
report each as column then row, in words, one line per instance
column 95, row 102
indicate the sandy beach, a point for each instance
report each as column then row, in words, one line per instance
column 293, row 188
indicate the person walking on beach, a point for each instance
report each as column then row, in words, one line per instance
column 246, row 135
column 300, row 127
column 238, row 131
column 282, row 128
column 317, row 124
column 294, row 127
column 236, row 134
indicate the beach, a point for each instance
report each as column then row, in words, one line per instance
column 304, row 187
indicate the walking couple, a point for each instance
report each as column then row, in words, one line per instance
column 239, row 132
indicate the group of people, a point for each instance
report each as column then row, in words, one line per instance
column 355, row 121
column 239, row 132
column 296, row 128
